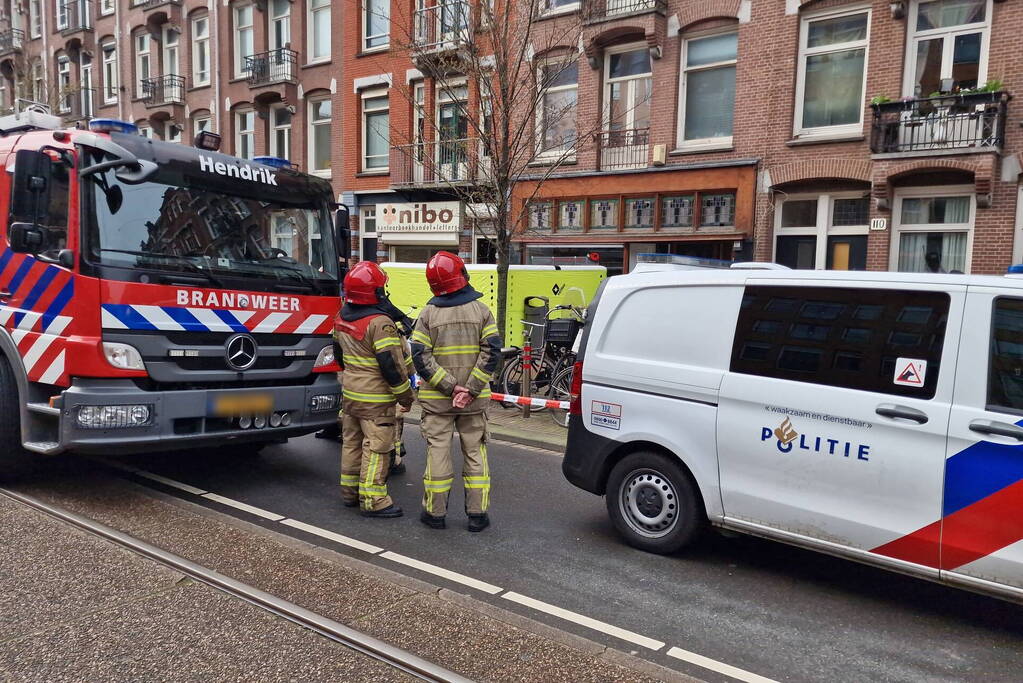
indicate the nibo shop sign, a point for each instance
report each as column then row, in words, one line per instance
column 419, row 222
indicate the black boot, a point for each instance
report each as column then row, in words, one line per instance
column 350, row 503
column 431, row 521
column 479, row 522
column 388, row 512
column 396, row 469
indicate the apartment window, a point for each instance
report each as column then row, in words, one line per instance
column 172, row 133
column 376, row 24
column 201, row 51
column 559, row 83
column 319, row 30
column 64, row 84
column 280, row 24
column 375, row 131
column 708, row 89
column 831, row 78
column 85, row 79
column 933, row 231
column 171, row 38
column 368, row 233
column 109, row 52
column 146, row 131
column 628, row 86
column 106, row 7
column 243, row 38
column 201, row 123
column 826, row 231
column 280, row 131
column 319, row 136
column 142, row 62
column 38, row 82
column 949, row 40
column 245, row 134
column 554, row 6
column 35, row 18
column 63, row 13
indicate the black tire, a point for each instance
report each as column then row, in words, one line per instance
column 654, row 503
column 10, row 410
column 561, row 390
column 511, row 381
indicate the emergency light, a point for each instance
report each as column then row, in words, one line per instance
column 273, row 162
column 207, row 140
column 1015, row 269
column 113, row 126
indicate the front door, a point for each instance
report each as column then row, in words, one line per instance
column 832, row 419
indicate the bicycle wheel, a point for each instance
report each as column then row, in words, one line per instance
column 511, row 381
column 561, row 390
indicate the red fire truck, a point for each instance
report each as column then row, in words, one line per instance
column 158, row 296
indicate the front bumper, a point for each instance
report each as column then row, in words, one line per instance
column 180, row 418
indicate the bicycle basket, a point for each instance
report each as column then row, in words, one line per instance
column 562, row 331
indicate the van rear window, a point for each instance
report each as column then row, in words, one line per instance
column 841, row 337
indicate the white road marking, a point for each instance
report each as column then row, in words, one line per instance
column 716, row 666
column 331, row 536
column 163, row 480
column 444, row 573
column 259, row 512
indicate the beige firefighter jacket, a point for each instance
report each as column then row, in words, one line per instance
column 455, row 345
column 374, row 366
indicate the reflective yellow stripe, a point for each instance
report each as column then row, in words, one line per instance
column 480, row 375
column 486, row 472
column 489, row 331
column 349, row 480
column 483, row 479
column 372, row 489
column 381, row 344
column 438, row 485
column 408, row 361
column 361, row 361
column 422, row 338
column 485, row 393
column 367, row 398
column 401, row 388
column 430, row 393
column 438, row 376
column 455, row 350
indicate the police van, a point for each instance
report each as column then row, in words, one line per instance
column 875, row 416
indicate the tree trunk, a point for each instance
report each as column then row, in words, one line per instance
column 502, row 288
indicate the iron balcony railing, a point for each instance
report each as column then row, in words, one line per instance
column 440, row 163
column 73, row 16
column 11, row 40
column 275, row 66
column 446, row 25
column 955, row 121
column 602, row 10
column 151, row 4
column 163, row 90
column 624, row 148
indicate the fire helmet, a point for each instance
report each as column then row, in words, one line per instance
column 364, row 284
column 446, row 273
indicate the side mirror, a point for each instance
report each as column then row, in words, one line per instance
column 342, row 234
column 31, row 196
column 27, row 238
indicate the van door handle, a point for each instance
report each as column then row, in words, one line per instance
column 997, row 428
column 902, row 412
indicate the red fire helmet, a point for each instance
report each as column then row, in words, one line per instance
column 446, row 273
column 364, row 282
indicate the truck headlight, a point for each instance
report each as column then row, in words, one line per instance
column 123, row 356
column 323, row 403
column 114, row 417
column 325, row 357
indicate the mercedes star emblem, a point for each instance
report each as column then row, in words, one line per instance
column 241, row 352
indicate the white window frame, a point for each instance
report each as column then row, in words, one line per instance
column 171, row 137
column 38, row 81
column 62, row 14
column 110, row 73
column 804, row 53
column 311, row 143
column 314, row 14
column 367, row 8
column 913, row 37
column 550, row 10
column 540, row 132
column 106, row 7
column 823, row 228
column 284, row 19
column 200, row 44
column 35, row 18
column 240, row 132
column 197, row 128
column 723, row 142
column 924, row 192
column 237, row 29
column 275, row 128
column 64, row 84
column 367, row 213
column 363, row 97
column 607, row 81
column 86, row 95
column 146, row 131
column 142, row 57
column 171, row 50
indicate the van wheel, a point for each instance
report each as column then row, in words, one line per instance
column 653, row 503
column 10, row 410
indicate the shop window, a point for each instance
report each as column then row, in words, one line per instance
column 639, row 214
column 677, row 212
column 822, row 232
column 717, row 210
column 603, row 214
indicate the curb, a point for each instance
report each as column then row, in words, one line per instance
column 511, row 437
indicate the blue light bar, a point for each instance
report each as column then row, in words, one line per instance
column 1015, row 269
column 273, row 162
column 113, row 126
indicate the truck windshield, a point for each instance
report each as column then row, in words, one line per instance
column 188, row 228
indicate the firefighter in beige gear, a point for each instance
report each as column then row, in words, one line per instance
column 455, row 347
column 375, row 379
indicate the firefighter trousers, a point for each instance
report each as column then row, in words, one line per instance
column 364, row 466
column 399, row 430
column 473, row 435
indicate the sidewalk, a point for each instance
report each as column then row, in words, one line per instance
column 507, row 424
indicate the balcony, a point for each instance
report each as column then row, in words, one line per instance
column 443, row 163
column 163, row 90
column 74, row 17
column 271, row 68
column 11, row 41
column 441, row 32
column 945, row 124
column 623, row 149
column 595, row 11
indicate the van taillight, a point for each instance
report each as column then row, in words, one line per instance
column 575, row 394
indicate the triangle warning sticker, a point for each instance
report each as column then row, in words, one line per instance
column 910, row 372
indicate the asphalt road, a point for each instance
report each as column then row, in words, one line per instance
column 771, row 609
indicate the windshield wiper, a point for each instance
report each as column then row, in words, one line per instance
column 183, row 260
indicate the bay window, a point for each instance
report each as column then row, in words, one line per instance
column 824, row 231
column 831, row 79
column 707, row 92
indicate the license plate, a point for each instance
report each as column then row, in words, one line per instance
column 229, row 405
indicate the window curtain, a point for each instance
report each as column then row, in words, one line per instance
column 833, row 88
column 942, row 13
column 914, row 247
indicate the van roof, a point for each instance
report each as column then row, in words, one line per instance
column 740, row 275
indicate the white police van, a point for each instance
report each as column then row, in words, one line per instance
column 876, row 416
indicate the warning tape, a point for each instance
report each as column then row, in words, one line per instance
column 523, row 401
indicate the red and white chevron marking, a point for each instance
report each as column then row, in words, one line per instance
column 524, row 401
column 42, row 351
